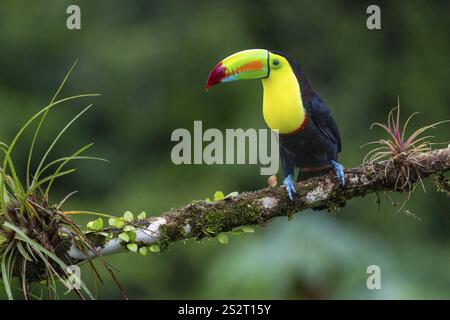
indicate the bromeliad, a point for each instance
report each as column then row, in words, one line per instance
column 308, row 135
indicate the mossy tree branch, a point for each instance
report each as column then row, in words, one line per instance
column 202, row 218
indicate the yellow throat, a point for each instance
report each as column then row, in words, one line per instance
column 282, row 102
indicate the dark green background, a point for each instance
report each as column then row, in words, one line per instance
column 150, row 60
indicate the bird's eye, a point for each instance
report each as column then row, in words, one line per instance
column 276, row 63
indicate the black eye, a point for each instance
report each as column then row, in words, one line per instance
column 276, row 62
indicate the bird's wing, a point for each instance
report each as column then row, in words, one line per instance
column 321, row 117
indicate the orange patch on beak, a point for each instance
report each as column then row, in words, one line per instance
column 251, row 66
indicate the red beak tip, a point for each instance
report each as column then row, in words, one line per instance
column 216, row 75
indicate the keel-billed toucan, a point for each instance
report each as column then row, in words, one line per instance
column 308, row 135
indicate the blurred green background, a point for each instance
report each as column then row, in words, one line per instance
column 150, row 60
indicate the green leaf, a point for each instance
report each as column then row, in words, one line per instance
column 95, row 225
column 222, row 238
column 128, row 216
column 124, row 237
column 132, row 247
column 248, row 230
column 2, row 239
column 154, row 248
column 6, row 275
column 52, row 145
column 104, row 234
column 7, row 159
column 218, row 195
column 132, row 235
column 20, row 235
column 129, row 228
column 23, row 252
column 116, row 223
column 237, row 232
column 143, row 251
column 36, row 133
column 142, row 215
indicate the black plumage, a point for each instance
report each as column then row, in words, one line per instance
column 313, row 147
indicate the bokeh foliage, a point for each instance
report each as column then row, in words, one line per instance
column 150, row 59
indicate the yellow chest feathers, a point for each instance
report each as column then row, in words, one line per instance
column 282, row 103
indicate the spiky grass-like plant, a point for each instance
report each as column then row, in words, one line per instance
column 33, row 230
column 400, row 150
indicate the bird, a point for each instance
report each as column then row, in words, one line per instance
column 308, row 136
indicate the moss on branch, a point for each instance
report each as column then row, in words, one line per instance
column 201, row 218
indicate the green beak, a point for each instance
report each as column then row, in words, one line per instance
column 247, row 64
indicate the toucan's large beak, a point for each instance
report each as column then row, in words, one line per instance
column 247, row 64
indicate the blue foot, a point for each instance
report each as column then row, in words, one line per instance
column 290, row 186
column 339, row 169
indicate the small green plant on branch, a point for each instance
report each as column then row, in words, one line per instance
column 33, row 231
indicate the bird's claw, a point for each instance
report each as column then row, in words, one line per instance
column 290, row 186
column 339, row 169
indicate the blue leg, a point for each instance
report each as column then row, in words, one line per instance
column 290, row 186
column 339, row 169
